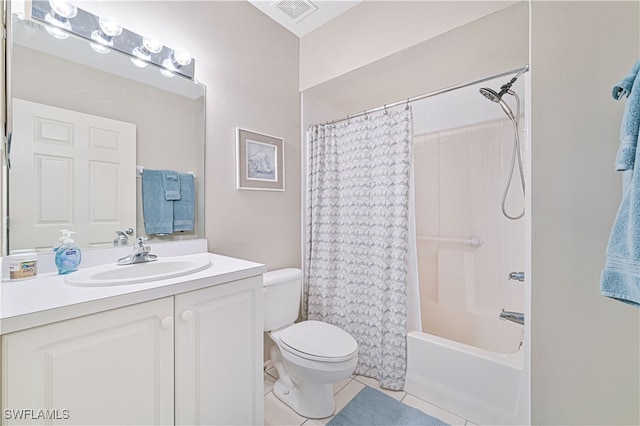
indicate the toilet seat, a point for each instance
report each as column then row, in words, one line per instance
column 318, row 341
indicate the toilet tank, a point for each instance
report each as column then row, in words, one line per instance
column 282, row 289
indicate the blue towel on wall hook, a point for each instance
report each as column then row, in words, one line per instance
column 623, row 88
column 630, row 126
column 621, row 275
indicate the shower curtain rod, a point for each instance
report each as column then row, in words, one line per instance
column 520, row 70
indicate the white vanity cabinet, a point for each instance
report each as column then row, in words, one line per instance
column 113, row 367
column 219, row 334
column 192, row 358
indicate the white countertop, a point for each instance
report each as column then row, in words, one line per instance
column 46, row 298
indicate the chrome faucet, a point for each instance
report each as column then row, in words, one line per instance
column 517, row 317
column 141, row 253
column 122, row 238
column 516, row 276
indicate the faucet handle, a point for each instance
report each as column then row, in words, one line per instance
column 124, row 234
column 141, row 246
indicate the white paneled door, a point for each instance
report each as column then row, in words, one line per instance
column 70, row 170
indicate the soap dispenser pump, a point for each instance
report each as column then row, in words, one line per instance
column 65, row 233
column 68, row 255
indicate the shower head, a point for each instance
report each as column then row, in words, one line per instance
column 490, row 94
column 493, row 96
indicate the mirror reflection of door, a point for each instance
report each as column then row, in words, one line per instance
column 70, row 170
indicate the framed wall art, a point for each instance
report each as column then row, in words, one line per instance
column 259, row 161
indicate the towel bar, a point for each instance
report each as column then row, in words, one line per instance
column 140, row 170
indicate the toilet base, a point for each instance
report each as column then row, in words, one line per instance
column 299, row 398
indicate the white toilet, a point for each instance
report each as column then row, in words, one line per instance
column 310, row 355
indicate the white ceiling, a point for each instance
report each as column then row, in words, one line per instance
column 325, row 11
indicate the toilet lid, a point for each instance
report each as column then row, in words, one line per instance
column 319, row 340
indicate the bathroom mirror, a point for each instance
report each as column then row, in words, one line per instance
column 49, row 78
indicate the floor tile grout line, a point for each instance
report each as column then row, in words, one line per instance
column 466, row 421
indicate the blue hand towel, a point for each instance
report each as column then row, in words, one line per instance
column 621, row 275
column 624, row 87
column 157, row 212
column 171, row 182
column 626, row 156
column 184, row 209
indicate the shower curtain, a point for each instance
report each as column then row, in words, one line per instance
column 356, row 266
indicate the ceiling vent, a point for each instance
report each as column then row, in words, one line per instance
column 296, row 9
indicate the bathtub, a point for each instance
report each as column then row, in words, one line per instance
column 482, row 386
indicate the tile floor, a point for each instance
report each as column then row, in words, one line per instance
column 276, row 413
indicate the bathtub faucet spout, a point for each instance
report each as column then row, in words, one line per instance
column 517, row 317
column 516, row 276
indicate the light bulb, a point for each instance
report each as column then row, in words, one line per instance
column 109, row 26
column 63, row 9
column 138, row 62
column 148, row 47
column 151, row 44
column 56, row 32
column 181, row 57
column 99, row 48
column 109, row 29
column 167, row 73
column 59, row 16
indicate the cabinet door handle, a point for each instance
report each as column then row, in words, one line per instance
column 186, row 316
column 166, row 322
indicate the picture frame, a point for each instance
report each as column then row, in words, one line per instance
column 259, row 161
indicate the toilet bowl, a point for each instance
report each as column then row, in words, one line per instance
column 310, row 355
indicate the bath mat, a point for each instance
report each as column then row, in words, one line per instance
column 373, row 408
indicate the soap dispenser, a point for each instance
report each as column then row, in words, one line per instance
column 68, row 255
column 61, row 239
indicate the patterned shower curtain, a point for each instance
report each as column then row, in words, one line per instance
column 357, row 236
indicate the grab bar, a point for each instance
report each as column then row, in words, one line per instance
column 473, row 241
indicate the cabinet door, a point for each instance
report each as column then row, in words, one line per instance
column 114, row 367
column 219, row 354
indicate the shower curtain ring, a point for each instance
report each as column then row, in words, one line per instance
column 386, row 111
column 348, row 120
column 366, row 116
column 407, row 107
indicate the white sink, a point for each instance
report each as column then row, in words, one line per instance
column 161, row 269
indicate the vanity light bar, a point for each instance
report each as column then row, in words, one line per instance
column 110, row 36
